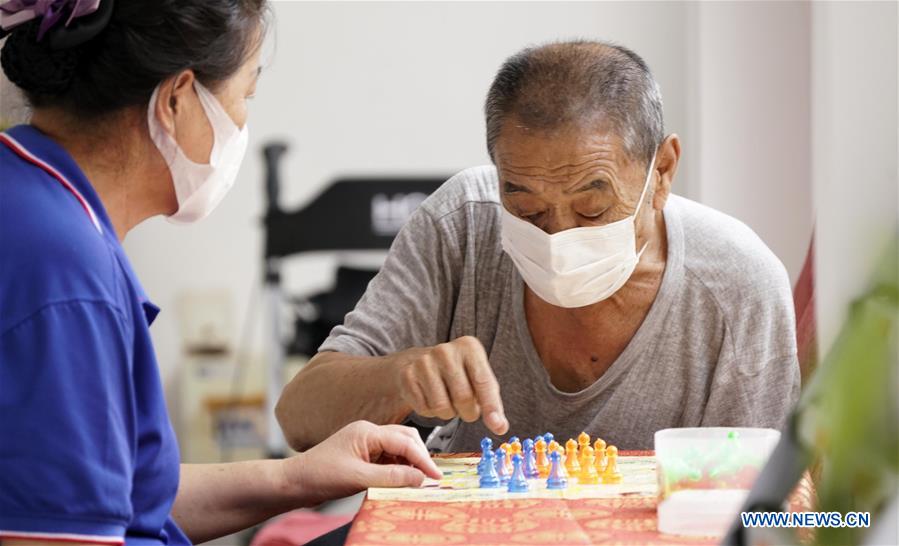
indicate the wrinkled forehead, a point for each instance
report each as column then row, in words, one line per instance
column 563, row 161
column 561, row 152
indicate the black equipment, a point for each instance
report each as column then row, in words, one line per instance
column 352, row 214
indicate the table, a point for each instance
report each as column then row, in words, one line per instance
column 625, row 520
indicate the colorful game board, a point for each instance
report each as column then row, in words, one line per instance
column 460, row 484
column 456, row 510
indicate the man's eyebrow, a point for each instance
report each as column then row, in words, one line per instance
column 509, row 187
column 598, row 184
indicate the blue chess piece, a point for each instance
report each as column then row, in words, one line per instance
column 548, row 437
column 513, row 439
column 500, row 466
column 527, row 442
column 489, row 478
column 530, row 459
column 556, row 479
column 486, row 447
column 518, row 482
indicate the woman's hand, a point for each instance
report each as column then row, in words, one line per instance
column 356, row 457
column 218, row 499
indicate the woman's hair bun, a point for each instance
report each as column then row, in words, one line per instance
column 114, row 57
column 34, row 66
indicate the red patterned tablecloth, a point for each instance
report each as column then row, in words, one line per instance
column 557, row 522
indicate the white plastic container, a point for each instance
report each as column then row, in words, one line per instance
column 705, row 474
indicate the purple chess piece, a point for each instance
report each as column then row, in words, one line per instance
column 500, row 466
column 530, row 459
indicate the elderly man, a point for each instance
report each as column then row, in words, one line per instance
column 565, row 289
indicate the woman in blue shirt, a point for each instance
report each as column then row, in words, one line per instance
column 139, row 109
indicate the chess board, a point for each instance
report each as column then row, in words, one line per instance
column 460, row 484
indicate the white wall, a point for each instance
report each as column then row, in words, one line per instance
column 378, row 88
column 775, row 102
column 855, row 150
column 397, row 88
column 12, row 104
column 749, row 108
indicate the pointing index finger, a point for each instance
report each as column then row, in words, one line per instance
column 486, row 389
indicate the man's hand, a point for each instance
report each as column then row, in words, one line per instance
column 356, row 457
column 452, row 379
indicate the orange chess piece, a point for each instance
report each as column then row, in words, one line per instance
column 583, row 440
column 611, row 474
column 542, row 462
column 588, row 475
column 516, row 447
column 572, row 465
column 599, row 450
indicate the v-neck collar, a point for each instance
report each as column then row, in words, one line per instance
column 672, row 280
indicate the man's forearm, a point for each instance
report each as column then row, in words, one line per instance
column 335, row 389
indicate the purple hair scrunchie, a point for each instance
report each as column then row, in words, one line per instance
column 15, row 12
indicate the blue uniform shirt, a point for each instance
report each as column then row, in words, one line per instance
column 87, row 452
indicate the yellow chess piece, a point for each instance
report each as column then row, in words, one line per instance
column 611, row 474
column 588, row 475
column 553, row 446
column 599, row 450
column 542, row 462
column 572, row 465
column 583, row 440
column 516, row 447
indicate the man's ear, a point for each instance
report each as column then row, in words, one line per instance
column 666, row 165
column 171, row 97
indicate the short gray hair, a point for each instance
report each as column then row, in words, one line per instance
column 582, row 82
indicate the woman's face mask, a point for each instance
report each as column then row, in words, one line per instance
column 199, row 188
column 579, row 266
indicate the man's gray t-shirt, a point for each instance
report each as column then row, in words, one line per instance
column 717, row 347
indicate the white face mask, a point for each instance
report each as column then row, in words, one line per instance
column 199, row 188
column 579, row 266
